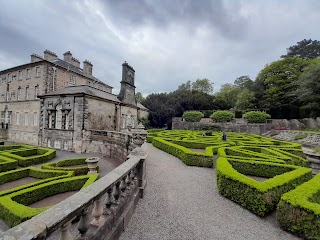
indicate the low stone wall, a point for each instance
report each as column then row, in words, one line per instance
column 101, row 211
column 115, row 145
column 241, row 125
column 228, row 126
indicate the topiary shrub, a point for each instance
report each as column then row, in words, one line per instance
column 193, row 116
column 256, row 116
column 222, row 116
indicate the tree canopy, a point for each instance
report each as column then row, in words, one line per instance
column 306, row 49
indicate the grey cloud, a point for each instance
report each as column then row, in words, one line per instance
column 191, row 13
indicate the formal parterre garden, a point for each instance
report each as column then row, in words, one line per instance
column 289, row 188
column 52, row 178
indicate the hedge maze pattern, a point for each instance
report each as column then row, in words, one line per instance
column 52, row 178
column 289, row 188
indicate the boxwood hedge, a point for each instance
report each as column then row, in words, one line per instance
column 258, row 197
column 45, row 175
column 68, row 165
column 299, row 210
column 30, row 156
column 14, row 207
column 7, row 164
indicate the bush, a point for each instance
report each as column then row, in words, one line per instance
column 193, row 116
column 256, row 116
column 222, row 116
column 298, row 213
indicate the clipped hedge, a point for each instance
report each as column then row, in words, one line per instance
column 63, row 166
column 258, row 197
column 193, row 116
column 186, row 155
column 222, row 116
column 31, row 156
column 14, row 209
column 256, row 116
column 45, row 175
column 7, row 164
column 299, row 210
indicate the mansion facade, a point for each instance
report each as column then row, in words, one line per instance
column 52, row 102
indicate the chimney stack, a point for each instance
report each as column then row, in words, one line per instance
column 49, row 56
column 75, row 62
column 67, row 56
column 35, row 58
column 87, row 67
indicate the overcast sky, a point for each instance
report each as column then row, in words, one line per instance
column 168, row 42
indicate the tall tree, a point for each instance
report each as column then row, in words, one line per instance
column 203, row 85
column 245, row 100
column 308, row 90
column 278, row 81
column 227, row 96
column 244, row 82
column 185, row 86
column 139, row 97
column 306, row 49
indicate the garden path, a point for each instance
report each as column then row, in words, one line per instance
column 182, row 202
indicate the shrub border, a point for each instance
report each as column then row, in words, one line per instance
column 297, row 214
column 13, row 213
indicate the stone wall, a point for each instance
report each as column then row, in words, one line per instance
column 228, row 126
column 240, row 125
column 3, row 134
column 115, row 145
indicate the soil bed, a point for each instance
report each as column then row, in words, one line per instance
column 49, row 201
column 17, row 183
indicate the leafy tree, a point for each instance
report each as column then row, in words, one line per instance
column 203, row 85
column 245, row 100
column 139, row 97
column 193, row 116
column 256, row 116
column 222, row 116
column 244, row 82
column 227, row 95
column 306, row 49
column 277, row 81
column 185, row 86
column 309, row 88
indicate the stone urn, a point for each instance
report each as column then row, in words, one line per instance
column 92, row 164
column 139, row 135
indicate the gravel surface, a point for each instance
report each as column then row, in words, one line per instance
column 183, row 202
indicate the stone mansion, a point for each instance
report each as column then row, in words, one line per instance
column 52, row 102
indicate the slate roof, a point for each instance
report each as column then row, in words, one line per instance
column 139, row 105
column 75, row 69
column 84, row 89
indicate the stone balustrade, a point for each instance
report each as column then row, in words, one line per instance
column 101, row 211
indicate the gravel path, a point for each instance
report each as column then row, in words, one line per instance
column 183, row 202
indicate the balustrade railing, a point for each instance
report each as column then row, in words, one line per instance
column 102, row 209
